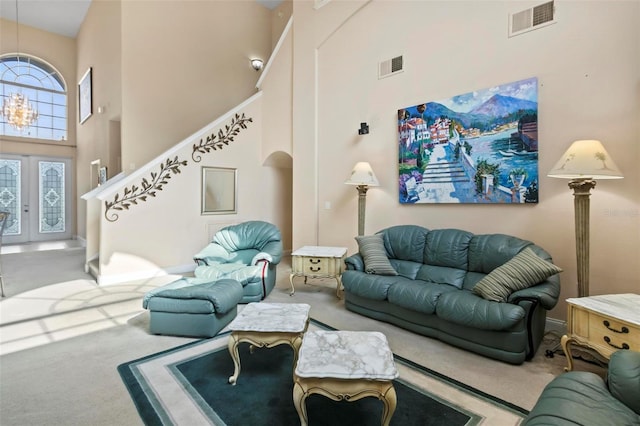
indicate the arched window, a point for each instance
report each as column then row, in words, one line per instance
column 46, row 90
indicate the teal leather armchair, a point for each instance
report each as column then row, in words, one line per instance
column 584, row 398
column 248, row 253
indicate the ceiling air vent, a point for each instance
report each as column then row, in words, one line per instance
column 390, row 67
column 531, row 19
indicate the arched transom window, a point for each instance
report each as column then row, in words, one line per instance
column 46, row 90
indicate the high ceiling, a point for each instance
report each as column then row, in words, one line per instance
column 61, row 16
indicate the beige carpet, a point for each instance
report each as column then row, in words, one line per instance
column 61, row 343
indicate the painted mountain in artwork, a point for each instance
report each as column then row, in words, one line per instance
column 501, row 106
column 435, row 110
column 497, row 110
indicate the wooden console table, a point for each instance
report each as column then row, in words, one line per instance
column 605, row 323
column 318, row 262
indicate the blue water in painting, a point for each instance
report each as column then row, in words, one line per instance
column 488, row 146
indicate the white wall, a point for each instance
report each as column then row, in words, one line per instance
column 588, row 69
column 165, row 231
column 184, row 63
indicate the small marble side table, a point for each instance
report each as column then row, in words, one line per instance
column 345, row 365
column 604, row 323
column 267, row 325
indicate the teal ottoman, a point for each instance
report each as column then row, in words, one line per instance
column 193, row 307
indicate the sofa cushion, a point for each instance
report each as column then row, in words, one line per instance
column 405, row 242
column 369, row 286
column 406, row 268
column 466, row 308
column 371, row 247
column 235, row 271
column 523, row 271
column 442, row 275
column 417, row 295
column 487, row 252
column 447, row 247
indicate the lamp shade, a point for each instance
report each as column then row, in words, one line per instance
column 585, row 159
column 362, row 174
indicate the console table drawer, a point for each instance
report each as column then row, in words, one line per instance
column 611, row 334
column 316, row 266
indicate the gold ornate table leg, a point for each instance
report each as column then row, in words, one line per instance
column 566, row 341
column 344, row 390
column 293, row 289
column 338, row 286
column 390, row 400
column 299, row 396
column 258, row 339
column 235, row 356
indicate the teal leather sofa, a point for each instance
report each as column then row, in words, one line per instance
column 433, row 291
column 584, row 398
column 248, row 252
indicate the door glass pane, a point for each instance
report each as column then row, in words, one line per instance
column 51, row 197
column 10, row 194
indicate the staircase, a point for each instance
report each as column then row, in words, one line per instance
column 444, row 172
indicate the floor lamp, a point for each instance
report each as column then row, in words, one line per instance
column 363, row 177
column 583, row 163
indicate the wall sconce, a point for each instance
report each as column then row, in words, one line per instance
column 363, row 177
column 364, row 129
column 257, row 64
column 583, row 162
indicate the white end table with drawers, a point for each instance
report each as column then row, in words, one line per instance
column 318, row 262
column 604, row 323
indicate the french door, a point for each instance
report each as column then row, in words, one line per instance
column 36, row 191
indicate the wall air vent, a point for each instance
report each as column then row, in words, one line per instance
column 390, row 67
column 532, row 19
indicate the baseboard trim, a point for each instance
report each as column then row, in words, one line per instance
column 556, row 326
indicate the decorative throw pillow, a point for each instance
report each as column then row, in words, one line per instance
column 524, row 270
column 371, row 247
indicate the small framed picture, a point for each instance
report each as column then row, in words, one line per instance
column 219, row 190
column 102, row 175
column 85, row 107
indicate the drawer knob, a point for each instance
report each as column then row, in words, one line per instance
column 314, row 261
column 312, row 269
column 608, row 325
column 608, row 340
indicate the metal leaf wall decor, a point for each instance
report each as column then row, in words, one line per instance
column 222, row 138
column 149, row 187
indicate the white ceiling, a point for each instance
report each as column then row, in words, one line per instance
column 61, row 16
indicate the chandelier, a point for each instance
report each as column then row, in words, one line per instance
column 18, row 112
column 16, row 108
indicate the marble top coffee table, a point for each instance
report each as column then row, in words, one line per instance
column 267, row 325
column 345, row 365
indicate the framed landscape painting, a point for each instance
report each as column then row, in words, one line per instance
column 478, row 147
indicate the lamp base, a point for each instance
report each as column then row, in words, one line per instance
column 362, row 206
column 581, row 193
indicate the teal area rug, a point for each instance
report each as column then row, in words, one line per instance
column 188, row 385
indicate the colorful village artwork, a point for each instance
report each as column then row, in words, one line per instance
column 479, row 147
